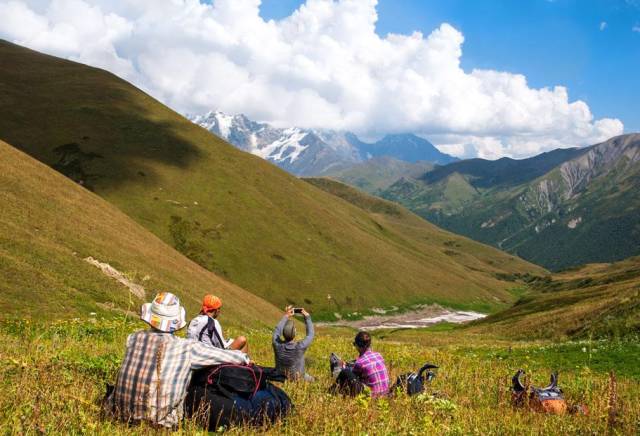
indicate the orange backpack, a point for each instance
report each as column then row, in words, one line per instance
column 546, row 400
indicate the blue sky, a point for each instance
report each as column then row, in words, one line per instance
column 486, row 78
column 556, row 42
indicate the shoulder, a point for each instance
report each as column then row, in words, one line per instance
column 198, row 319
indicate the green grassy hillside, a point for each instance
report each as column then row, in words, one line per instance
column 558, row 209
column 231, row 212
column 377, row 174
column 594, row 300
column 49, row 225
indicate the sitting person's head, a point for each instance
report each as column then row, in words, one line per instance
column 289, row 331
column 211, row 306
column 362, row 342
column 164, row 314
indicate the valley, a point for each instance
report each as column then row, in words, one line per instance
column 245, row 220
column 322, row 217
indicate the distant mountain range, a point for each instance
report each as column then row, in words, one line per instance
column 313, row 152
column 558, row 209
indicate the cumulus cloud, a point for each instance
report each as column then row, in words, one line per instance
column 323, row 66
column 603, row 25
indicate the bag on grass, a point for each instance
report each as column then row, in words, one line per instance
column 233, row 394
column 413, row 382
column 547, row 400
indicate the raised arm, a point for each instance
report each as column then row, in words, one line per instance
column 203, row 355
column 310, row 333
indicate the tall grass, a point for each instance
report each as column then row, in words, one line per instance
column 52, row 378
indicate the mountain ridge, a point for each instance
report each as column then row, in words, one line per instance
column 585, row 207
column 233, row 213
column 314, row 152
column 54, row 234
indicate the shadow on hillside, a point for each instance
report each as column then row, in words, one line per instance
column 87, row 123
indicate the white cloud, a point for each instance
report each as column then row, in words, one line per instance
column 323, row 66
column 603, row 25
column 636, row 28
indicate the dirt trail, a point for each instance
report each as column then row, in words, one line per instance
column 110, row 271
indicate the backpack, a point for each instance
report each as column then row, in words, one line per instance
column 233, row 394
column 347, row 384
column 549, row 399
column 413, row 382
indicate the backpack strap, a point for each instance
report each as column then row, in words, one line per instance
column 210, row 328
column 426, row 367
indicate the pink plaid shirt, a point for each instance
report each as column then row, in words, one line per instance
column 371, row 369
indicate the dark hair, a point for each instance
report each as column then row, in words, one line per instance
column 362, row 340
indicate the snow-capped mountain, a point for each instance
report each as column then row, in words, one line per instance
column 303, row 152
column 314, row 152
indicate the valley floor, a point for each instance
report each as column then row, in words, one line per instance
column 51, row 379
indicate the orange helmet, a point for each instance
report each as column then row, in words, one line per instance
column 211, row 302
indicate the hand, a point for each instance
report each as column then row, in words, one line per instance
column 288, row 311
column 305, row 313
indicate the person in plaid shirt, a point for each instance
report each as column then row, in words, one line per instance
column 152, row 381
column 370, row 367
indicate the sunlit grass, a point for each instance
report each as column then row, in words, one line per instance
column 51, row 380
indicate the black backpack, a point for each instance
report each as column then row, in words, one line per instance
column 413, row 382
column 233, row 394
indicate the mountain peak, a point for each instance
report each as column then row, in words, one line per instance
column 407, row 147
column 312, row 152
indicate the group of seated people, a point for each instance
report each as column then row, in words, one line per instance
column 154, row 376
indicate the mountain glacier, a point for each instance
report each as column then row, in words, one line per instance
column 313, row 152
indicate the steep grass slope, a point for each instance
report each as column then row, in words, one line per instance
column 231, row 212
column 597, row 299
column 449, row 257
column 49, row 225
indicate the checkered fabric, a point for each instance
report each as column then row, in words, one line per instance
column 155, row 373
column 372, row 371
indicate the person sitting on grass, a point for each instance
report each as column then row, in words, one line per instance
column 206, row 328
column 369, row 370
column 289, row 353
column 152, row 381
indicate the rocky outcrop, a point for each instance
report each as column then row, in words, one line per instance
column 599, row 160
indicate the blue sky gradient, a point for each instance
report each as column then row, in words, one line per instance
column 559, row 42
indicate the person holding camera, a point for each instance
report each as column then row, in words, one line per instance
column 288, row 352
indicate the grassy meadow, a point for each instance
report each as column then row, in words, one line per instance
column 52, row 377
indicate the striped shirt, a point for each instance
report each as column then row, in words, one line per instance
column 372, row 371
column 153, row 379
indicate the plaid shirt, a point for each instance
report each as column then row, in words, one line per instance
column 153, row 379
column 371, row 369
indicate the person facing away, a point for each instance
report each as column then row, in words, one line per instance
column 370, row 367
column 289, row 353
column 152, row 381
column 207, row 329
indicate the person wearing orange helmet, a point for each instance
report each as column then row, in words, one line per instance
column 207, row 329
